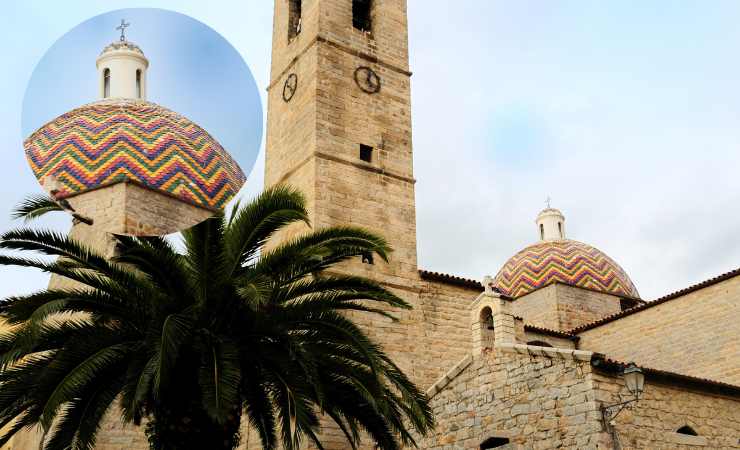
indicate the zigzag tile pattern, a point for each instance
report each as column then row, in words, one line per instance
column 565, row 261
column 119, row 140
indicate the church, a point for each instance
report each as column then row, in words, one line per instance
column 555, row 350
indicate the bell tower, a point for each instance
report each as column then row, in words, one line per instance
column 339, row 120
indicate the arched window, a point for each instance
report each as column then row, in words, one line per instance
column 560, row 229
column 539, row 343
column 485, row 328
column 486, row 318
column 106, row 83
column 686, row 430
column 494, row 442
column 138, row 83
column 542, row 232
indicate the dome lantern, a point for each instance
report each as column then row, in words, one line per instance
column 122, row 69
column 550, row 224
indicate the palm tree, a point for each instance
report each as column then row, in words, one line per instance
column 190, row 341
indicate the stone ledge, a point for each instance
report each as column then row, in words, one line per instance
column 449, row 376
column 687, row 439
column 547, row 352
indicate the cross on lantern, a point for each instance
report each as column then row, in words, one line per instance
column 123, row 27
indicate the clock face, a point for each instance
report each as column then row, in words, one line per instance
column 290, row 86
column 367, row 80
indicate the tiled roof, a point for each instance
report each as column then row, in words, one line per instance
column 613, row 366
column 565, row 261
column 551, row 332
column 451, row 279
column 666, row 298
column 121, row 140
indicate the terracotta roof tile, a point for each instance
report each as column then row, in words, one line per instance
column 451, row 279
column 666, row 298
column 551, row 332
column 613, row 366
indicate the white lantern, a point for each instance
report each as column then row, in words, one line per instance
column 634, row 379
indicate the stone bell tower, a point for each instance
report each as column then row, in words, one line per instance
column 339, row 120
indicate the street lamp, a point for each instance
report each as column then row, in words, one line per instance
column 634, row 378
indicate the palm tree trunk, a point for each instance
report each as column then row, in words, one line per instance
column 190, row 427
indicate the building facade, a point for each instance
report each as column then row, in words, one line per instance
column 339, row 127
column 529, row 359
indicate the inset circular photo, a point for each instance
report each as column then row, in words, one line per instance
column 142, row 122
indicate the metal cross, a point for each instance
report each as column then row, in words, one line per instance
column 122, row 27
column 548, row 202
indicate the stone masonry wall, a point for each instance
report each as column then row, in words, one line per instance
column 664, row 408
column 562, row 307
column 554, row 341
column 543, row 403
column 539, row 307
column 128, row 208
column 537, row 403
column 696, row 334
column 578, row 306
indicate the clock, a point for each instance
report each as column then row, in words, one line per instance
column 290, row 86
column 367, row 80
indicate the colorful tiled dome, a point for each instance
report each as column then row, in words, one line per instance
column 118, row 140
column 565, row 261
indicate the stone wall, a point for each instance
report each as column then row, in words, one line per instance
column 536, row 403
column 540, row 402
column 527, row 336
column 562, row 307
column 664, row 408
column 695, row 334
column 128, row 208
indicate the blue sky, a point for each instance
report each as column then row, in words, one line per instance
column 624, row 112
column 193, row 70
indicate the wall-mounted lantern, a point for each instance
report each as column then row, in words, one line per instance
column 634, row 379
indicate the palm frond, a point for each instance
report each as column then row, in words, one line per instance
column 249, row 228
column 219, row 377
column 224, row 328
column 35, row 206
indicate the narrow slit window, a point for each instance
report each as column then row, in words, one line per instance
column 539, row 343
column 294, row 18
column 542, row 232
column 361, row 17
column 687, row 430
column 138, row 83
column 366, row 153
column 560, row 229
column 106, row 83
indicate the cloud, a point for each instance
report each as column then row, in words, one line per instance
column 631, row 130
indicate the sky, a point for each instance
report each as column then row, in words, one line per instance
column 624, row 113
column 192, row 70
